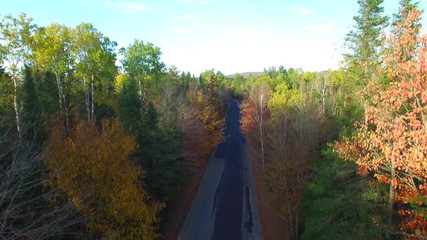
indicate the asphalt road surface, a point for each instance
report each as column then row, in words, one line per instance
column 225, row 206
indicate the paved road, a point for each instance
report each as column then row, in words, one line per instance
column 225, row 205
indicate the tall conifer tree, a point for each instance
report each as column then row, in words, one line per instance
column 364, row 40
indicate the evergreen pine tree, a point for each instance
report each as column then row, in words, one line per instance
column 364, row 41
column 32, row 116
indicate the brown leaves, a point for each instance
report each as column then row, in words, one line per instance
column 91, row 166
column 202, row 126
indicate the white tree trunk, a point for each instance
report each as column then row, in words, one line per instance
column 86, row 97
column 59, row 85
column 93, row 99
column 62, row 103
column 261, row 130
column 16, row 107
column 324, row 96
column 140, row 88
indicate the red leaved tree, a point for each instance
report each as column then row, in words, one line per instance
column 254, row 115
column 391, row 141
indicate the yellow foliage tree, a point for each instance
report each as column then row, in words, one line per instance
column 91, row 166
column 208, row 114
column 283, row 100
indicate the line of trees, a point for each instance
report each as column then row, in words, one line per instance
column 285, row 118
column 90, row 149
column 343, row 153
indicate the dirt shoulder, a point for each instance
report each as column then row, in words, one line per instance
column 179, row 210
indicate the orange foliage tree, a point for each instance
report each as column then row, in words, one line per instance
column 247, row 122
column 391, row 141
column 201, row 124
column 196, row 144
column 91, row 166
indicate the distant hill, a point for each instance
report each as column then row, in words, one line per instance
column 245, row 74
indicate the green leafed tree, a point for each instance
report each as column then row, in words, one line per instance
column 95, row 57
column 141, row 61
column 6, row 98
column 340, row 204
column 129, row 105
column 32, row 114
column 85, row 49
column 365, row 40
column 52, row 52
column 15, row 40
column 283, row 100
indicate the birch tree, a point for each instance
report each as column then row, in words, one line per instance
column 52, row 52
column 254, row 111
column 15, row 39
column 95, row 64
column 142, row 62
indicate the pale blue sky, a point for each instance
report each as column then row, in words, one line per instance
column 229, row 36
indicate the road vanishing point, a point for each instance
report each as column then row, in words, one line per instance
column 225, row 207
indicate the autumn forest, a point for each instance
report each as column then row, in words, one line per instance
column 101, row 142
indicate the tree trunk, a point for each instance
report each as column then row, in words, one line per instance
column 93, row 99
column 62, row 104
column 16, row 107
column 390, row 206
column 86, row 97
column 58, row 83
column 323, row 96
column 67, row 122
column 140, row 88
column 261, row 131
